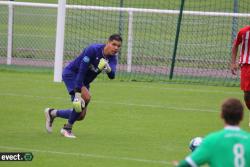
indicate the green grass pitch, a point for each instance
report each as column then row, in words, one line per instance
column 129, row 124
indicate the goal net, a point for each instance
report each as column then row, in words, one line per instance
column 153, row 48
column 203, row 51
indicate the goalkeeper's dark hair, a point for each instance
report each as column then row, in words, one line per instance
column 116, row 37
column 232, row 111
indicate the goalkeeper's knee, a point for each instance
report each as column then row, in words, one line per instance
column 82, row 114
column 85, row 95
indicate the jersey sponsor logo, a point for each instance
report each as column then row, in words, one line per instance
column 86, row 59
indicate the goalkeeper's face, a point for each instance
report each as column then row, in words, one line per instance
column 113, row 47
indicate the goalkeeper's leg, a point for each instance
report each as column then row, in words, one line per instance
column 49, row 118
column 82, row 114
column 67, row 129
column 62, row 114
column 74, row 114
column 69, row 81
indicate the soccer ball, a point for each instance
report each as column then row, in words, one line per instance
column 195, row 142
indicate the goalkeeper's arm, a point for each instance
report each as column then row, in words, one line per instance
column 102, row 64
column 110, row 71
column 111, row 74
column 111, row 66
column 107, row 67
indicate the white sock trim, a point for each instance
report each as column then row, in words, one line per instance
column 53, row 113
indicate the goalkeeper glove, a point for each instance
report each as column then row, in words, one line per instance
column 107, row 68
column 102, row 64
column 78, row 102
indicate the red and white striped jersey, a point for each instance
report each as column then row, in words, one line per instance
column 243, row 38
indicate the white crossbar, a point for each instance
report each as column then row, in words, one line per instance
column 102, row 8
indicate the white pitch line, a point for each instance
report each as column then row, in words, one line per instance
column 158, row 106
column 181, row 89
column 89, row 155
column 116, row 103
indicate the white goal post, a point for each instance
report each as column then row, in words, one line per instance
column 61, row 14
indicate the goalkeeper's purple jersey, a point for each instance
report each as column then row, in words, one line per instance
column 85, row 65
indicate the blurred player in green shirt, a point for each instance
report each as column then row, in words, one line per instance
column 229, row 147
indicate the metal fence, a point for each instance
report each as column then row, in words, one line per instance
column 202, row 52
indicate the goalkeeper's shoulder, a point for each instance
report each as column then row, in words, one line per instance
column 112, row 60
column 93, row 48
column 97, row 47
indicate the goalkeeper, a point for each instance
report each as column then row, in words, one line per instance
column 78, row 75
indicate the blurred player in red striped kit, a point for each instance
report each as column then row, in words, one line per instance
column 243, row 39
